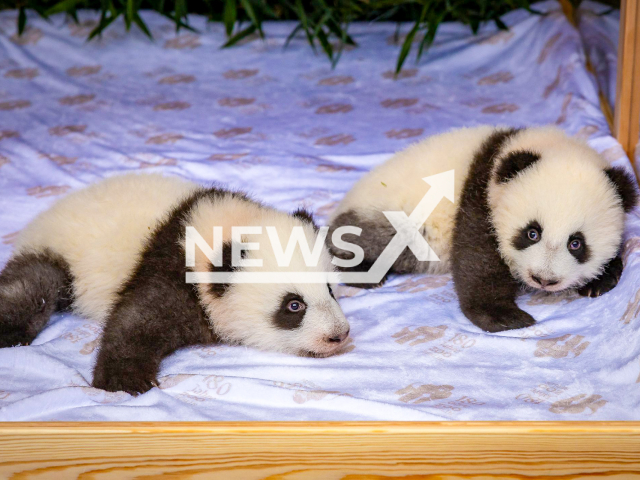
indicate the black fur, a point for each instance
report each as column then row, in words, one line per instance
column 157, row 311
column 219, row 289
column 375, row 236
column 32, row 287
column 305, row 216
column 284, row 318
column 513, row 163
column 583, row 254
column 485, row 286
column 331, row 291
column 521, row 240
column 625, row 187
column 606, row 281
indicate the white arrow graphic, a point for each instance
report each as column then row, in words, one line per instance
column 408, row 231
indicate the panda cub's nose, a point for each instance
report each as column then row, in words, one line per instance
column 544, row 282
column 338, row 338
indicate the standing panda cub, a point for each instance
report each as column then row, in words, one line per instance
column 533, row 207
column 115, row 253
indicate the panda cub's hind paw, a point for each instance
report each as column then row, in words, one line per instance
column 14, row 338
column 605, row 282
column 116, row 376
column 133, row 385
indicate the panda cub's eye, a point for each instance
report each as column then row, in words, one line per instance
column 296, row 306
column 575, row 245
column 533, row 234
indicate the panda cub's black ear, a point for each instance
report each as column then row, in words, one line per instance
column 625, row 187
column 513, row 163
column 305, row 216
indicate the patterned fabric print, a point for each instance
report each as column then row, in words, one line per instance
column 286, row 127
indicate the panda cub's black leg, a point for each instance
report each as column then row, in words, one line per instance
column 154, row 317
column 32, row 287
column 608, row 279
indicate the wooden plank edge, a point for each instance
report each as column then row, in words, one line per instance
column 627, row 107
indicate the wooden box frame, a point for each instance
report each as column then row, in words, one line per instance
column 346, row 450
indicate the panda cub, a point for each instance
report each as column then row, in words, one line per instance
column 115, row 253
column 533, row 207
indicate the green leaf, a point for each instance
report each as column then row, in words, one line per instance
column 180, row 13
column 229, row 15
column 500, row 24
column 22, row 20
column 179, row 23
column 129, row 13
column 292, row 34
column 340, row 32
column 305, row 23
column 248, row 8
column 325, row 17
column 142, row 25
column 324, row 42
column 240, row 35
column 406, row 47
column 63, row 6
column 430, row 34
column 104, row 23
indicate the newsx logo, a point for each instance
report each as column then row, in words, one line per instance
column 407, row 236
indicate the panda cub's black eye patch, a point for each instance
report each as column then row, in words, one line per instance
column 527, row 236
column 291, row 312
column 577, row 246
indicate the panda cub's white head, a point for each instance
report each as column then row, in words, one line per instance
column 297, row 318
column 557, row 208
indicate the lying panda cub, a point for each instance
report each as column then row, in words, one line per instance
column 115, row 252
column 533, row 206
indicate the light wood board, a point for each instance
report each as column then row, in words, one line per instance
column 300, row 450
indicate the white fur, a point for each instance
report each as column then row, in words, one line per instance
column 566, row 191
column 101, row 230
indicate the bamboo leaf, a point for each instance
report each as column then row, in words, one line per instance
column 406, row 47
column 324, row 42
column 63, row 6
column 340, row 32
column 104, row 23
column 229, row 15
column 292, row 34
column 142, row 25
column 22, row 20
column 179, row 23
column 500, row 24
column 325, row 17
column 128, row 14
column 305, row 23
column 180, row 13
column 430, row 34
column 248, row 8
column 240, row 35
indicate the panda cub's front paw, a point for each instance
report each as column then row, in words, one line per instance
column 119, row 376
column 499, row 318
column 605, row 282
